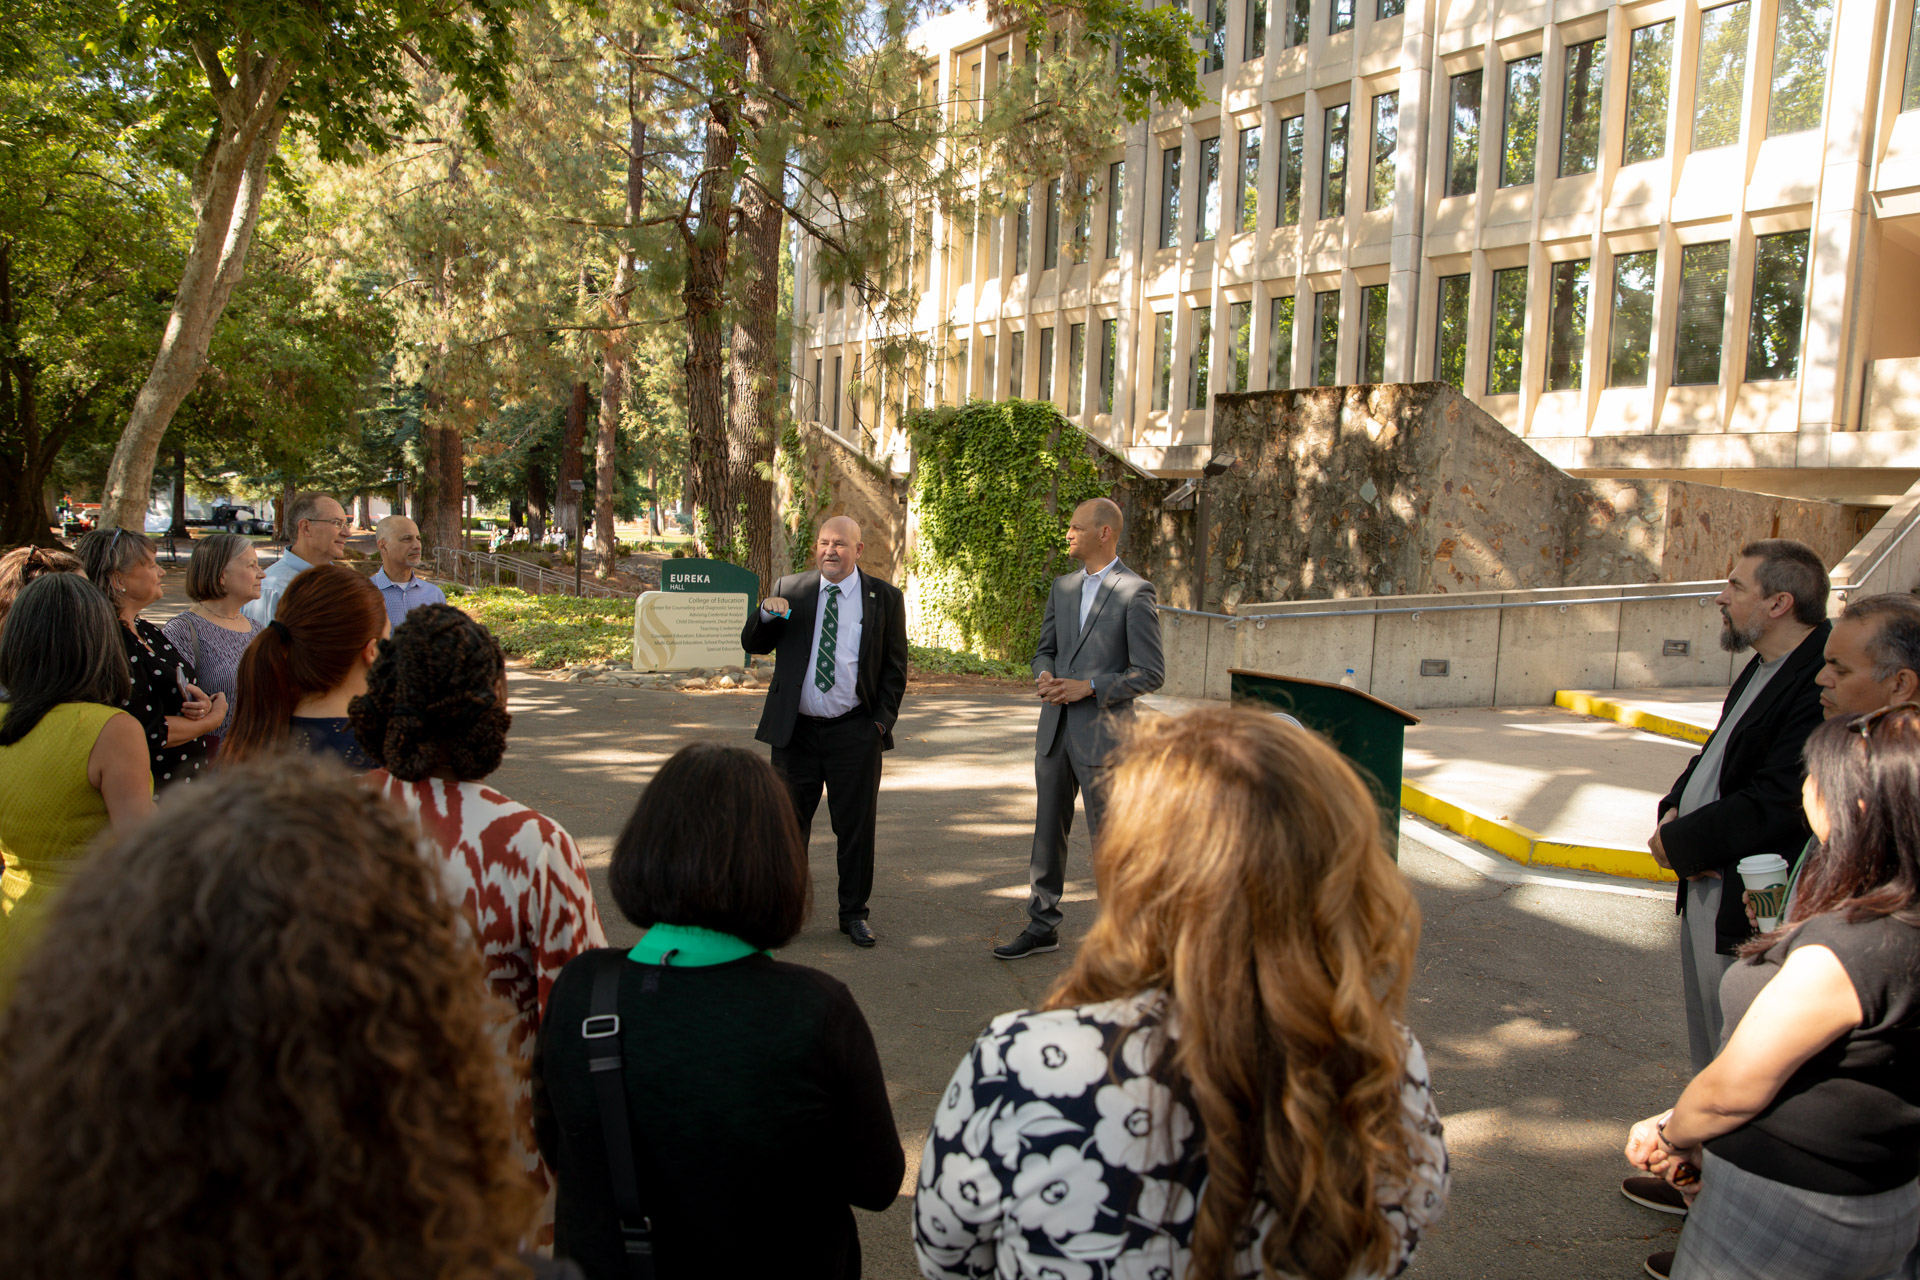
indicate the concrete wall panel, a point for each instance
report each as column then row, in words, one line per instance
column 1565, row 646
column 1311, row 648
column 1646, row 627
column 1183, row 641
column 1469, row 641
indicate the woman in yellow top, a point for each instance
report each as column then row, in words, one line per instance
column 70, row 761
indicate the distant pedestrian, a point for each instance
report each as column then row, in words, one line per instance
column 839, row 640
column 742, row 1074
column 301, row 672
column 1804, row 1132
column 23, row 564
column 1099, row 650
column 223, row 577
column 1223, row 1084
column 398, row 541
column 253, row 1042
column 318, row 526
column 176, row 714
column 71, row 762
column 434, row 719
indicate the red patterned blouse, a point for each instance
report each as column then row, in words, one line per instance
column 518, row 876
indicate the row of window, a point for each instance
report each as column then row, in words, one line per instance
column 1773, row 335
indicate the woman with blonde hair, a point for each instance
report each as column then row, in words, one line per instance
column 1221, row 1085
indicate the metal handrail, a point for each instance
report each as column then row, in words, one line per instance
column 450, row 559
column 1853, row 582
column 1430, row 608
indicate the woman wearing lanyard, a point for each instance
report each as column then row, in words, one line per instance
column 740, row 1072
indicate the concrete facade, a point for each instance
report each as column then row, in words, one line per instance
column 1648, row 262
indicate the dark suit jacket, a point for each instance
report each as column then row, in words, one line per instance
column 881, row 677
column 1759, row 806
column 1119, row 650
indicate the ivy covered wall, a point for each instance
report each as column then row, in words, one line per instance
column 993, row 485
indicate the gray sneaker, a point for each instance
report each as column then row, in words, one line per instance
column 1027, row 944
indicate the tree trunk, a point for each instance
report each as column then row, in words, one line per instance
column 704, row 296
column 752, row 365
column 365, row 503
column 613, row 359
column 228, row 189
column 27, row 452
column 566, row 499
column 537, row 499
column 653, row 501
column 443, row 488
column 178, row 527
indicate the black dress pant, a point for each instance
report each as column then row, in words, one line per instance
column 842, row 755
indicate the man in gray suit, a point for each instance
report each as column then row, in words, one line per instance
column 1103, row 637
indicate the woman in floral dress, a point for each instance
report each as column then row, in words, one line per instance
column 1227, row 1040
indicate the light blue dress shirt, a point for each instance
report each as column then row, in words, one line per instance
column 403, row 597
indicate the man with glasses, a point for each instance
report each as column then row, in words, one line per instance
column 319, row 527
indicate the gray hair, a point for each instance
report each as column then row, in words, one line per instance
column 1895, row 645
column 1796, row 569
column 105, row 554
column 304, row 505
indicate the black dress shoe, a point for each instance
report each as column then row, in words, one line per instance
column 860, row 931
column 1660, row 1265
column 1027, row 944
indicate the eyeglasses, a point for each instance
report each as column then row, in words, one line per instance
column 1864, row 725
column 338, row 522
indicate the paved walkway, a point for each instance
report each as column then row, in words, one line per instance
column 1572, row 778
column 1551, row 1013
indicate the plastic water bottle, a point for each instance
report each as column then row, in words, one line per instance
column 1348, row 680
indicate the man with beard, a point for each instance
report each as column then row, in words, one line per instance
column 1741, row 795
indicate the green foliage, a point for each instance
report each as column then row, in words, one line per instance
column 995, row 484
column 552, row 630
column 806, row 506
column 931, row 660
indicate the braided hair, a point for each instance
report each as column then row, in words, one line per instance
column 433, row 698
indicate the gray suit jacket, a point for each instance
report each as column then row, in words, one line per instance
column 1119, row 650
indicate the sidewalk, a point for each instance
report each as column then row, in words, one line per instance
column 1687, row 714
column 1543, row 786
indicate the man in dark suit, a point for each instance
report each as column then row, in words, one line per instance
column 839, row 639
column 1101, row 633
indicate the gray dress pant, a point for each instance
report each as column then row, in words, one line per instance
column 1701, row 968
column 1056, row 780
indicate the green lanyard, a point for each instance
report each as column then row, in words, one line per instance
column 687, row 946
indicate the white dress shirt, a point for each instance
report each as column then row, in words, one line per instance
column 843, row 697
column 1090, row 587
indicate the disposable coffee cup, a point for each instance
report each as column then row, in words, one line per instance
column 1765, row 876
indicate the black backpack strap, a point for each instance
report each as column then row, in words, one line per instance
column 601, row 1031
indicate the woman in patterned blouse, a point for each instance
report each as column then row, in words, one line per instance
column 175, row 713
column 434, row 719
column 1221, row 1085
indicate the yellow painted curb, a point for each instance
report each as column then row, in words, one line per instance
column 1587, row 704
column 1524, row 845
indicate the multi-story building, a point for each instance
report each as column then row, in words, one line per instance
column 1650, row 238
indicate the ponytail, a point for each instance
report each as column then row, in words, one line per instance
column 324, row 620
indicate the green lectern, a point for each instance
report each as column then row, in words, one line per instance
column 1370, row 733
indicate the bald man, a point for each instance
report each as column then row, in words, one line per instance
column 1099, row 650
column 398, row 541
column 839, row 640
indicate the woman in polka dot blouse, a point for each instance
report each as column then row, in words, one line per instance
column 175, row 715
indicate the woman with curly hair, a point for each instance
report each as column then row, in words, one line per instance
column 253, row 1042
column 311, row 660
column 1221, row 1086
column 434, row 720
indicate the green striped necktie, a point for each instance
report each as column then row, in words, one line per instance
column 829, row 628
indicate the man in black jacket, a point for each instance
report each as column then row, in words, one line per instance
column 1741, row 795
column 839, row 639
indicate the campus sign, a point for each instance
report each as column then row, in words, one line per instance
column 695, row 619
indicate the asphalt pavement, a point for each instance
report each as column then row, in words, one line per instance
column 1549, row 1006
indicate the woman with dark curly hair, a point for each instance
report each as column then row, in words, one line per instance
column 253, row 1042
column 434, row 718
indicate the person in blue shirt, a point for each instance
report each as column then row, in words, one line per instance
column 319, row 526
column 398, row 540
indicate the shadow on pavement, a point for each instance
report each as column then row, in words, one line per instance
column 1551, row 1016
